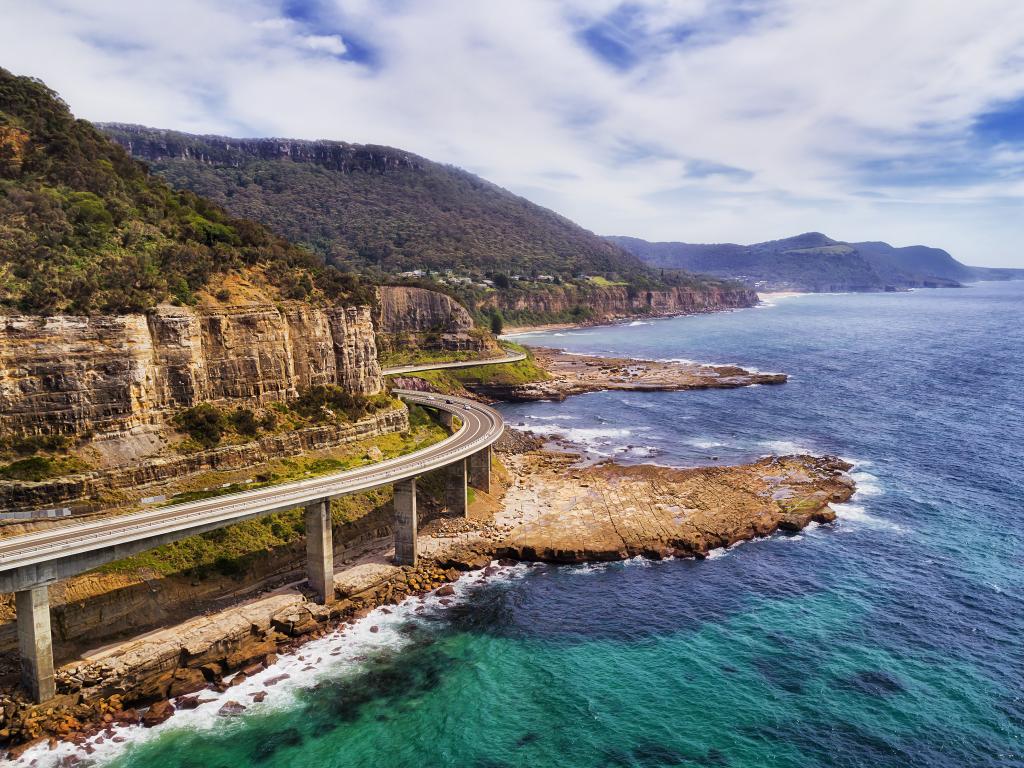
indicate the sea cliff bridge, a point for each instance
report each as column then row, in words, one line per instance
column 31, row 562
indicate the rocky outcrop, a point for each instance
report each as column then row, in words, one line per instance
column 601, row 304
column 572, row 374
column 112, row 374
column 416, row 317
column 573, row 514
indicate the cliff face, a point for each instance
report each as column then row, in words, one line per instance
column 153, row 145
column 409, row 316
column 613, row 302
column 112, row 374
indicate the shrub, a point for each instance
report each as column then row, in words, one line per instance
column 244, row 422
column 205, row 423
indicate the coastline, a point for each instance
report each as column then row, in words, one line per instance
column 523, row 330
column 767, row 296
column 554, row 509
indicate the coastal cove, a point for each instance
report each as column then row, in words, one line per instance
column 886, row 638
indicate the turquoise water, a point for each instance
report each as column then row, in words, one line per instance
column 891, row 638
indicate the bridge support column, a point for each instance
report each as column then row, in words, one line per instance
column 405, row 522
column 448, row 419
column 320, row 550
column 480, row 470
column 35, row 644
column 456, row 494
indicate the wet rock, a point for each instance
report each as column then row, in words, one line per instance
column 231, row 709
column 157, row 713
column 186, row 681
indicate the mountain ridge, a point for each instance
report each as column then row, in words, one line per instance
column 550, row 243
column 812, row 261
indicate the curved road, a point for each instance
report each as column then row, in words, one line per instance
column 125, row 534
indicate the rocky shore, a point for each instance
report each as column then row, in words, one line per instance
column 554, row 510
column 572, row 374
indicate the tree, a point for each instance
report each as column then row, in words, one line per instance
column 497, row 323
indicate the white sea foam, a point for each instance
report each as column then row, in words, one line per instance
column 706, row 445
column 856, row 515
column 867, row 484
column 784, row 447
column 635, row 323
column 342, row 651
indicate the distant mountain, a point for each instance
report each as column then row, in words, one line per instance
column 811, row 262
column 377, row 209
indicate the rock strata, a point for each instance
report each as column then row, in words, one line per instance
column 110, row 375
column 409, row 318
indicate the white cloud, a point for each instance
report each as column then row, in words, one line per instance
column 815, row 102
column 326, row 43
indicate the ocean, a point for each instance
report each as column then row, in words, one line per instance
column 889, row 638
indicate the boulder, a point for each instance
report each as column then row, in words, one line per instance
column 157, row 713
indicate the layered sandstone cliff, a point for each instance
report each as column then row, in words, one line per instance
column 615, row 302
column 104, row 375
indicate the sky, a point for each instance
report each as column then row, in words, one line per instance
column 692, row 120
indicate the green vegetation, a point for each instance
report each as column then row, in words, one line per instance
column 84, row 228
column 457, row 380
column 378, row 209
column 604, row 282
column 29, row 444
column 331, row 403
column 399, row 357
column 207, row 425
column 36, row 468
column 387, row 213
column 497, row 322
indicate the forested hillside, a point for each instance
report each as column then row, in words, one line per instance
column 379, row 209
column 85, row 228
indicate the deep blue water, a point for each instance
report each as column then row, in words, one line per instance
column 891, row 638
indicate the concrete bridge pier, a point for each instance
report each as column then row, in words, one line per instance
column 320, row 550
column 456, row 492
column 480, row 470
column 405, row 522
column 35, row 645
column 447, row 419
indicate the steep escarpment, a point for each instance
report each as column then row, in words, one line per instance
column 104, row 375
column 416, row 318
column 603, row 303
